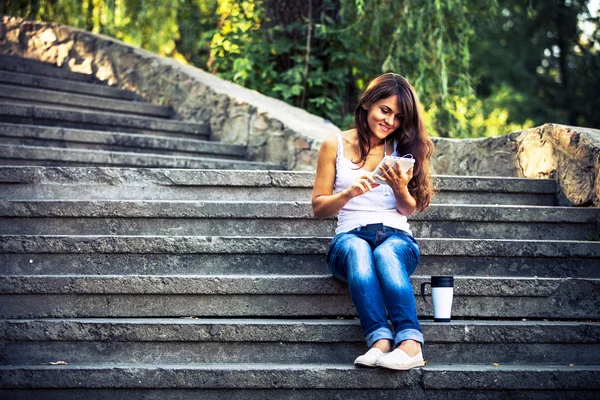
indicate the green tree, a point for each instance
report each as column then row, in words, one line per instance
column 480, row 67
column 150, row 24
column 537, row 62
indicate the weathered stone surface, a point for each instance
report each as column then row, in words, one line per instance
column 192, row 340
column 16, row 244
column 577, row 153
column 568, row 154
column 272, row 376
column 44, row 82
column 280, row 296
column 273, row 284
column 180, row 184
column 131, row 176
column 287, row 330
column 40, row 69
column 270, row 218
column 277, row 209
column 296, row 394
column 476, row 157
column 35, row 95
column 195, row 95
column 67, row 117
column 28, row 155
column 100, row 140
column 283, row 264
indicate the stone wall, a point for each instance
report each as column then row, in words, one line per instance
column 273, row 130
column 571, row 155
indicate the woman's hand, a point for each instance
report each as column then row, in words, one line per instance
column 398, row 181
column 395, row 178
column 362, row 185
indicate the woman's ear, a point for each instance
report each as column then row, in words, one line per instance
column 364, row 106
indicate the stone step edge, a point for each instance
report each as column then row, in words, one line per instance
column 190, row 177
column 272, row 285
column 253, row 209
column 296, row 376
column 56, row 98
column 106, row 244
column 64, row 85
column 147, row 160
column 286, row 330
column 111, row 119
column 13, row 62
column 138, row 141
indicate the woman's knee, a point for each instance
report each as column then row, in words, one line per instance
column 394, row 253
column 357, row 256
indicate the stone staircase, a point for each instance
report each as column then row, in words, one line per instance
column 46, row 119
column 122, row 281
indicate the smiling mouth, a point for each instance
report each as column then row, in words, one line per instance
column 385, row 128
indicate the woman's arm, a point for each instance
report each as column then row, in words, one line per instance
column 324, row 202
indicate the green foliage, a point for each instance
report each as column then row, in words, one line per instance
column 150, row 24
column 480, row 67
column 272, row 60
column 539, row 52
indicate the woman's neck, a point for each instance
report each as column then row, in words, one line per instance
column 378, row 142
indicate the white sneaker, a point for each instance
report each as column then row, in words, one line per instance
column 399, row 360
column 369, row 359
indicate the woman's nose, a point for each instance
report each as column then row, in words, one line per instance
column 390, row 120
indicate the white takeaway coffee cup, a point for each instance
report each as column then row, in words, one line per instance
column 442, row 293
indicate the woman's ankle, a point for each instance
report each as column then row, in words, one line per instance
column 384, row 345
column 410, row 347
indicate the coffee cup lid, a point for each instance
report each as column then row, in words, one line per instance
column 442, row 281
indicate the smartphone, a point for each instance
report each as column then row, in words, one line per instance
column 406, row 163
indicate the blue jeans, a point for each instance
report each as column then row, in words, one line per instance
column 377, row 266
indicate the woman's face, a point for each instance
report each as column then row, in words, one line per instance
column 383, row 117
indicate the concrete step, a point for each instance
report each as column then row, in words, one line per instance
column 180, row 184
column 13, row 63
column 197, row 255
column 285, row 341
column 63, row 85
column 245, row 218
column 11, row 112
column 15, row 155
column 82, row 296
column 300, row 381
column 32, row 135
column 35, row 96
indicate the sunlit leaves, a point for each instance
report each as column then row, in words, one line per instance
column 479, row 66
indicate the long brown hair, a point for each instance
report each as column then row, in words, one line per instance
column 411, row 134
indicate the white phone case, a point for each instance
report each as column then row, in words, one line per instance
column 405, row 163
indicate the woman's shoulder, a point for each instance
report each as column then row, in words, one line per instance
column 350, row 135
column 331, row 142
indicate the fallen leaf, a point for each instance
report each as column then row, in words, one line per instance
column 426, row 361
column 571, row 365
column 58, row 363
column 495, row 364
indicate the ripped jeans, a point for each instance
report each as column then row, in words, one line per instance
column 377, row 266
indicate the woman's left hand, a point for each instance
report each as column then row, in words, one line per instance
column 396, row 179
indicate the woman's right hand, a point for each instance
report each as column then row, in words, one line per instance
column 362, row 185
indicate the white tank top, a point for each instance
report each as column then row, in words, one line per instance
column 376, row 206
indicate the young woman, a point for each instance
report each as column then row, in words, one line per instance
column 373, row 250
